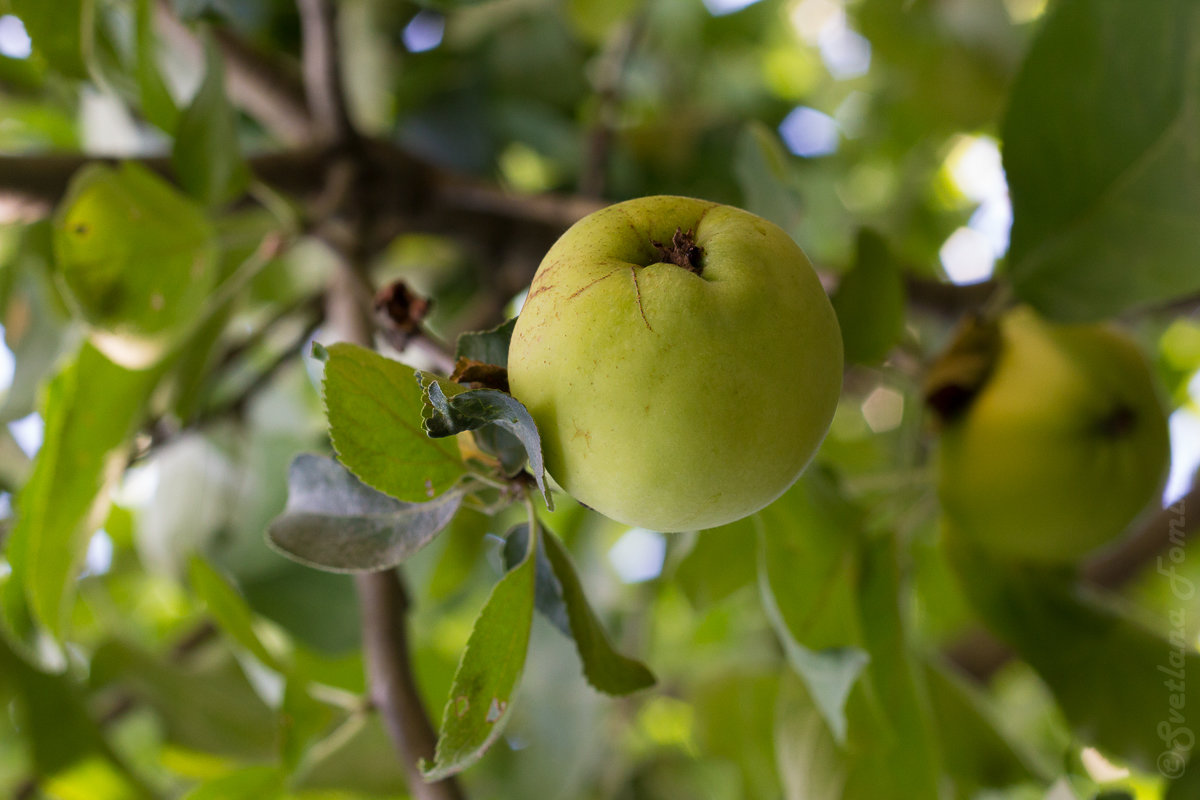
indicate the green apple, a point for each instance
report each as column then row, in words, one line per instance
column 681, row 360
column 1059, row 448
column 135, row 260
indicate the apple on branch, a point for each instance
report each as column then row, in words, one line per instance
column 681, row 360
column 1053, row 437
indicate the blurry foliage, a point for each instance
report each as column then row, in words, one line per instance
column 153, row 644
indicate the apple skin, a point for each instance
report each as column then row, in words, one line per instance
column 1061, row 449
column 667, row 399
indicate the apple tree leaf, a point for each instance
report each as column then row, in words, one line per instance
column 449, row 409
column 66, row 743
column 62, row 32
column 720, row 562
column 1102, row 227
column 605, row 669
column 763, row 174
column 1062, row 632
column 374, row 411
column 481, row 697
column 888, row 750
column 548, row 596
column 229, row 610
column 976, row 751
column 90, row 408
column 157, row 105
column 488, row 347
column 870, row 302
column 334, row 522
column 206, row 155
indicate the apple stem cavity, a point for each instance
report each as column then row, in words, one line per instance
column 682, row 251
column 1119, row 422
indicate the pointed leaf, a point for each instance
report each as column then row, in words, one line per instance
column 604, row 668
column 90, row 408
column 488, row 347
column 157, row 104
column 869, row 302
column 374, row 410
column 206, row 154
column 485, row 683
column 336, row 523
column 548, row 595
column 229, row 610
column 978, row 753
column 450, row 410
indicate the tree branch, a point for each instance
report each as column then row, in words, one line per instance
column 979, row 655
column 323, row 71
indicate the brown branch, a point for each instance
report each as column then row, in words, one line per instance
column 267, row 87
column 979, row 655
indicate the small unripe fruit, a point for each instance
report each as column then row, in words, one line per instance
column 1060, row 446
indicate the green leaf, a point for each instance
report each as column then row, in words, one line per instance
column 548, row 593
column 977, row 753
column 1099, row 150
column 335, row 523
column 62, row 32
column 157, row 104
column 1084, row 649
column 247, row 783
column 808, row 567
column 604, row 668
column 356, row 760
column 208, row 706
column 303, row 720
column 36, row 345
column 811, row 763
column 91, row 408
column 904, row 747
column 809, row 561
column 228, row 610
column 870, row 302
column 68, row 747
column 206, row 154
column 485, row 682
column 374, row 409
column 720, row 562
column 763, row 173
column 489, row 347
column 450, row 410
column 136, row 259
column 889, row 750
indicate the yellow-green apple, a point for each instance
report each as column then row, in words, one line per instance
column 681, row 360
column 1059, row 446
